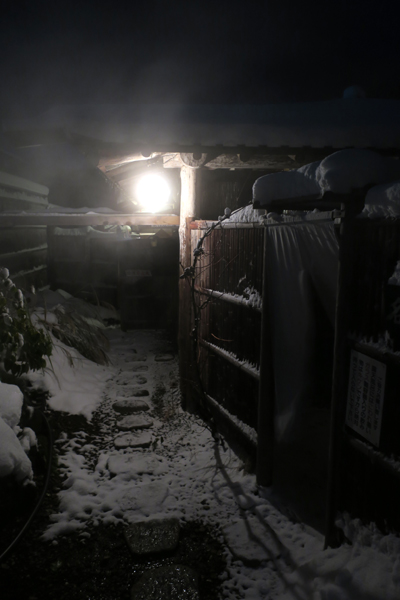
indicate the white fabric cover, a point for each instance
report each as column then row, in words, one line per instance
column 302, row 260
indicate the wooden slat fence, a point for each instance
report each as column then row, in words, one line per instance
column 23, row 248
column 365, row 477
column 228, row 285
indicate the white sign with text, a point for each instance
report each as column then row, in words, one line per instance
column 365, row 396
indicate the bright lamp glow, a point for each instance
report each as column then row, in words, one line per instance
column 153, row 193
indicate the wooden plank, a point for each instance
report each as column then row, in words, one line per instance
column 83, row 220
column 14, row 182
column 23, row 198
column 36, row 277
column 19, row 238
column 271, row 160
column 24, row 259
column 14, row 204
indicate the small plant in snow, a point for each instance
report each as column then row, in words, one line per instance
column 22, row 346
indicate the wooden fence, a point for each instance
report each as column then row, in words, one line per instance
column 365, row 446
column 228, row 287
column 136, row 273
column 23, row 249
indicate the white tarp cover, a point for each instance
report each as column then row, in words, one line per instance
column 302, row 261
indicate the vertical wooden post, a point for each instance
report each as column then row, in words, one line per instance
column 50, row 255
column 266, row 393
column 189, row 178
column 340, row 370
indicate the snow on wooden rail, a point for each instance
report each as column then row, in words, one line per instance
column 234, row 299
column 248, row 432
column 240, row 364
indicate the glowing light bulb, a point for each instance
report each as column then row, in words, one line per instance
column 153, row 193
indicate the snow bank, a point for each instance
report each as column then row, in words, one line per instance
column 339, row 173
column 76, row 390
column 13, row 460
column 247, row 214
column 11, row 399
column 383, row 201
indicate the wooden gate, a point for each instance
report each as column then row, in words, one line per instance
column 228, row 287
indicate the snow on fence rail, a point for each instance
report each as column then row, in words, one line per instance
column 234, row 299
column 230, row 357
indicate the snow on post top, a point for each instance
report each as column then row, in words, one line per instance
column 383, row 201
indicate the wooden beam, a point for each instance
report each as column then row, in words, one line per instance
column 118, row 160
column 131, row 168
column 249, row 160
column 19, row 183
column 83, row 220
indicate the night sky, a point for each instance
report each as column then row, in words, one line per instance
column 195, row 52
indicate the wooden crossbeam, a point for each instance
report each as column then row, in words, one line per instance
column 83, row 220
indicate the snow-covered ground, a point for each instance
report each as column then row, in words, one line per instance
column 186, row 473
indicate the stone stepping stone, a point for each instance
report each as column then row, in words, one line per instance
column 129, row 392
column 128, row 379
column 139, row 368
column 133, row 439
column 129, row 406
column 137, row 392
column 131, row 466
column 134, row 422
column 164, row 357
column 136, row 358
column 153, row 537
column 173, row 581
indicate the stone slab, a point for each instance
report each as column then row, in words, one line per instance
column 136, row 358
column 175, row 582
column 134, row 422
column 164, row 357
column 127, row 378
column 136, row 392
column 135, row 464
column 153, row 537
column 129, row 406
column 139, row 368
column 133, row 439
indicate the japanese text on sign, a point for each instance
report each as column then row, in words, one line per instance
column 365, row 396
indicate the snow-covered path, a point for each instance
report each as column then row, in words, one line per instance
column 186, row 474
